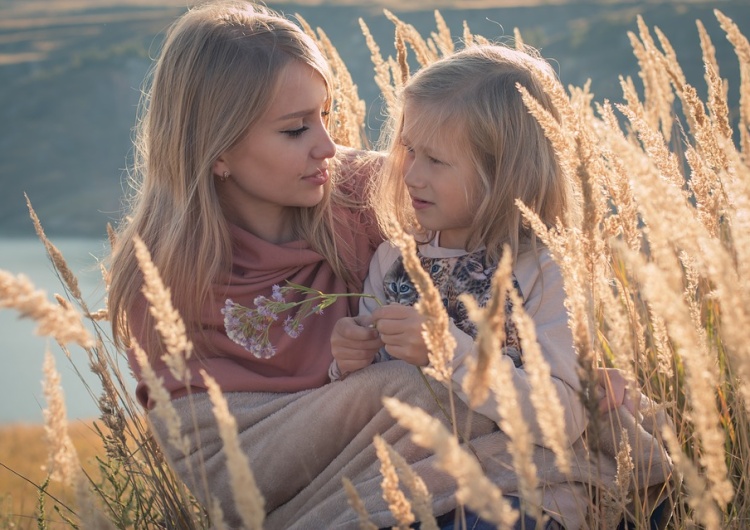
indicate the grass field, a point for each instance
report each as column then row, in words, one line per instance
column 24, row 450
column 655, row 270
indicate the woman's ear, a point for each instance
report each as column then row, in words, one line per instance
column 220, row 167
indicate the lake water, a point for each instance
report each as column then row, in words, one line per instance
column 22, row 352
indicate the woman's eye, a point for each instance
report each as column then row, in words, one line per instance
column 296, row 132
column 435, row 160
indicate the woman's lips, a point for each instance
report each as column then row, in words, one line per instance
column 318, row 178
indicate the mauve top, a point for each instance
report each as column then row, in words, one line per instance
column 299, row 363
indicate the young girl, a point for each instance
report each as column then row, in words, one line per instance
column 463, row 149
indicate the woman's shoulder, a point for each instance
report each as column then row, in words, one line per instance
column 354, row 170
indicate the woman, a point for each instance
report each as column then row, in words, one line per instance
column 238, row 188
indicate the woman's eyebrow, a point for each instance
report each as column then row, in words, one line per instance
column 296, row 114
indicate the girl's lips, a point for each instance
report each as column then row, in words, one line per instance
column 318, row 178
column 419, row 204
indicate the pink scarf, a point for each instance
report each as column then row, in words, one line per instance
column 300, row 363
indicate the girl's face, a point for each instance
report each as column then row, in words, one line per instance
column 439, row 178
column 282, row 161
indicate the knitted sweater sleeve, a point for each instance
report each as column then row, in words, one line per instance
column 384, row 256
column 542, row 288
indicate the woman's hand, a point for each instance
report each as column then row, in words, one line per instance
column 354, row 343
column 400, row 329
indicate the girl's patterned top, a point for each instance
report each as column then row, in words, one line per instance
column 470, row 273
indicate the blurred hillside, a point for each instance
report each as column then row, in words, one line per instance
column 71, row 70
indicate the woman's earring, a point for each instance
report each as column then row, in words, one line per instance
column 224, row 176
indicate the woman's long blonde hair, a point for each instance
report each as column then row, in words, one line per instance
column 215, row 76
column 470, row 98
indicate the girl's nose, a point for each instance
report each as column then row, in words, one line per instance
column 412, row 176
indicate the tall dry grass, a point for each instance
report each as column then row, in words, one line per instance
column 656, row 261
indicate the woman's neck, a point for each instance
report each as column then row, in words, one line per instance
column 273, row 226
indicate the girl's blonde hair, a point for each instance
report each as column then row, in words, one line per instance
column 214, row 78
column 471, row 100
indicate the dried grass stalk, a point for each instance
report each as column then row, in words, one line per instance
column 490, row 332
column 437, row 336
column 61, row 322
column 248, row 499
column 63, row 465
column 355, row 501
column 742, row 49
column 521, row 444
column 217, row 515
column 421, row 500
column 699, row 374
column 412, row 37
column 162, row 400
column 549, row 410
column 398, row 504
column 475, row 490
column 169, row 323
column 70, row 279
column 708, row 49
column 658, row 95
column 699, row 498
column 382, row 71
column 442, row 39
column 402, row 55
column 350, row 109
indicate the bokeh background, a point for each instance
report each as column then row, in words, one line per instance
column 70, row 81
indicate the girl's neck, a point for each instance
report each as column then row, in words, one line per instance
column 450, row 242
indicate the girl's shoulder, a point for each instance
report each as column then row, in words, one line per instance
column 536, row 268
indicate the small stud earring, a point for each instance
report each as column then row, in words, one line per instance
column 224, row 176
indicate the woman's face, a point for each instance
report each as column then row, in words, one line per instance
column 282, row 161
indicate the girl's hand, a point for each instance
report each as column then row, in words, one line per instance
column 354, row 343
column 612, row 391
column 400, row 329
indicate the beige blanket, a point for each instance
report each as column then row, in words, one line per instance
column 301, row 446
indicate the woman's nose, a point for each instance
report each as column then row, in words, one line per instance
column 325, row 147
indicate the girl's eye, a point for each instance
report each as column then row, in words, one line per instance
column 296, row 132
column 435, row 160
